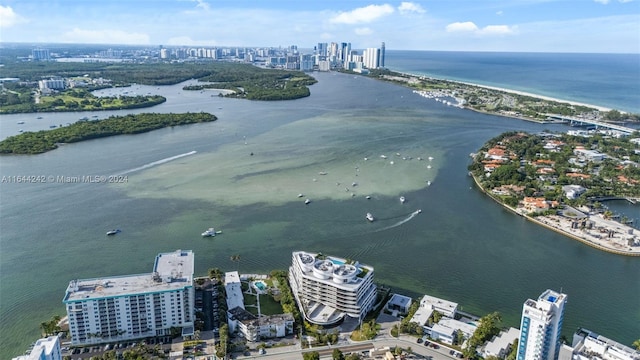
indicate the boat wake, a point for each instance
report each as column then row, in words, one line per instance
column 159, row 162
column 411, row 216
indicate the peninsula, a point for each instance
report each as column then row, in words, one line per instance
column 502, row 102
column 559, row 181
column 46, row 140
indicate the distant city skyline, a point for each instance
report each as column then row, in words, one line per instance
column 596, row 26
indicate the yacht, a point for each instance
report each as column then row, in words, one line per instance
column 113, row 232
column 209, row 232
column 402, row 199
column 307, row 201
column 370, row 217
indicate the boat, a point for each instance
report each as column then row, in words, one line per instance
column 39, row 117
column 20, row 130
column 20, row 122
column 113, row 232
column 300, row 195
column 52, row 126
column 322, row 173
column 209, row 232
column 428, row 166
column 370, row 217
column 430, row 158
column 307, row 201
column 428, row 182
column 402, row 199
column 368, row 197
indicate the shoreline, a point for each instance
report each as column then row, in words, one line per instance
column 511, row 91
column 553, row 222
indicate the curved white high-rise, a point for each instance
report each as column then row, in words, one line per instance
column 328, row 288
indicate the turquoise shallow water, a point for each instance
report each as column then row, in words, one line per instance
column 462, row 247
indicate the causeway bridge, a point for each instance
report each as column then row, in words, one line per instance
column 598, row 124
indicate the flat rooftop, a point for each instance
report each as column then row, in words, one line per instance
column 172, row 271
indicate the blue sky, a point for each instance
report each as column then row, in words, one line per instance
column 607, row 26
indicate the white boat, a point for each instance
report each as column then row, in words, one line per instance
column 209, row 232
column 402, row 199
column 307, row 201
column 383, row 156
column 368, row 197
column 113, row 232
column 428, row 182
column 428, row 166
column 370, row 217
column 430, row 158
column 300, row 195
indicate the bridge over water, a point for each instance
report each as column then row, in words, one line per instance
column 598, row 124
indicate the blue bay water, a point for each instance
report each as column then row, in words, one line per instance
column 608, row 80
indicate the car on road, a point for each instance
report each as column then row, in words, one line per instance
column 435, row 346
column 419, row 340
column 426, row 343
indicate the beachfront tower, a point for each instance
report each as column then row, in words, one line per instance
column 381, row 62
column 328, row 289
column 540, row 327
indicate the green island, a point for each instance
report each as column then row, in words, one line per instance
column 72, row 92
column 254, row 83
column 501, row 102
column 46, row 140
column 560, row 181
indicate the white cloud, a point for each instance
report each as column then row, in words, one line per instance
column 409, row 7
column 489, row 30
column 462, row 27
column 365, row 14
column 105, row 37
column 497, row 30
column 602, row 1
column 363, row 31
column 499, row 12
column 8, row 17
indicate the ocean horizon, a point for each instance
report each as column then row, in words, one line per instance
column 599, row 79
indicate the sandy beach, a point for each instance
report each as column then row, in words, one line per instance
column 515, row 92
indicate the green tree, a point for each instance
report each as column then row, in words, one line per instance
column 636, row 344
column 312, row 355
column 337, row 354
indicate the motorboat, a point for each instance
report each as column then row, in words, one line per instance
column 402, row 199
column 209, row 232
column 370, row 217
column 300, row 195
column 368, row 197
column 307, row 201
column 20, row 122
column 113, row 232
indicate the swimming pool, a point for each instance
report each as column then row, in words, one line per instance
column 260, row 285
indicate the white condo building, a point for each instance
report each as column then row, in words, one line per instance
column 540, row 327
column 44, row 349
column 328, row 288
column 134, row 306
